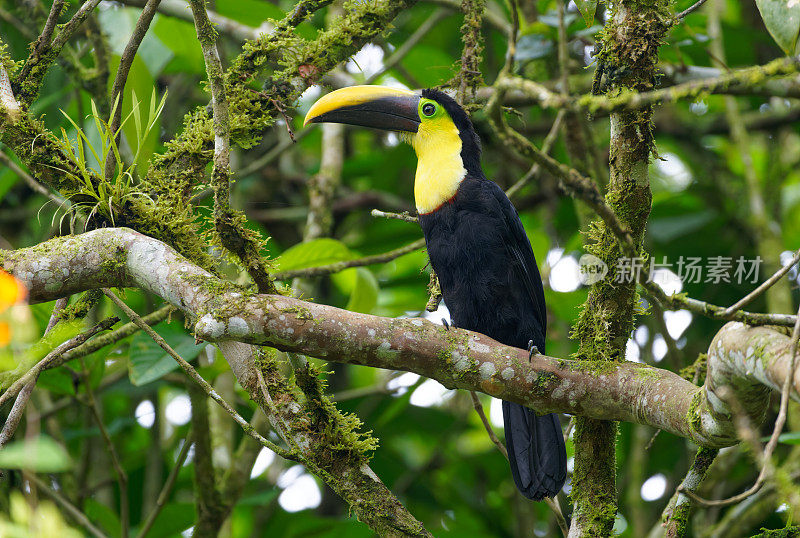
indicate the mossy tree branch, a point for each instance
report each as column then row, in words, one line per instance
column 243, row 243
column 679, row 508
column 469, row 75
column 746, row 359
column 30, row 77
column 755, row 80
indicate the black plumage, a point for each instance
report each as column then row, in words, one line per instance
column 491, row 284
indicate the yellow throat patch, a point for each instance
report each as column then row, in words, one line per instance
column 439, row 167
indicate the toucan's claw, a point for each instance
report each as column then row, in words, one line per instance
column 532, row 350
column 447, row 325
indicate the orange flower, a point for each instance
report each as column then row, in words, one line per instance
column 11, row 292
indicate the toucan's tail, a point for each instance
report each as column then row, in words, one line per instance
column 535, row 450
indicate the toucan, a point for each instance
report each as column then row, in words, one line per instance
column 477, row 246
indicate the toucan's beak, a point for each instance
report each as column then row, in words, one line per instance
column 368, row 106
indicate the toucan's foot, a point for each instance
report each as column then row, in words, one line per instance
column 532, row 350
column 447, row 324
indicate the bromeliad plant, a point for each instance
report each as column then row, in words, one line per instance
column 100, row 192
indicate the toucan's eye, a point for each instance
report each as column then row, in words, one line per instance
column 429, row 109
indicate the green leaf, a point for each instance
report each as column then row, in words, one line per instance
column 148, row 362
column 587, row 9
column 181, row 39
column 361, row 285
column 58, row 381
column 40, row 455
column 313, row 254
column 788, row 438
column 103, row 516
column 782, row 19
column 250, row 12
column 670, row 228
column 140, row 82
column 7, row 180
column 533, row 47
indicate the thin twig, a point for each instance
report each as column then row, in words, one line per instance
column 154, row 318
column 284, row 430
column 678, row 301
column 682, row 15
column 577, row 185
column 547, row 145
column 763, row 287
column 197, row 378
column 476, row 403
column 73, row 24
column 43, row 364
column 571, row 180
column 15, row 415
column 43, row 42
column 167, row 488
column 31, row 181
column 341, row 266
column 780, row 421
column 563, row 52
column 76, row 514
column 68, row 401
column 560, row 519
column 405, row 215
column 511, row 51
column 125, row 63
column 361, row 392
column 60, row 305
